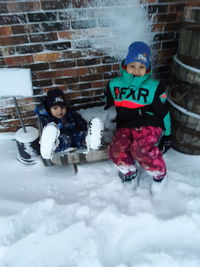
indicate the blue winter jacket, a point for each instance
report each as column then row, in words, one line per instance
column 73, row 127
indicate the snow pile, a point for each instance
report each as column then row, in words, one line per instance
column 118, row 24
column 49, row 140
column 8, row 85
column 51, row 217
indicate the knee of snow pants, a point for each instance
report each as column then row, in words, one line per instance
column 119, row 148
column 146, row 152
column 76, row 139
column 64, row 143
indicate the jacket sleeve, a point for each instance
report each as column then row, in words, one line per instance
column 160, row 107
column 108, row 97
column 42, row 114
column 78, row 124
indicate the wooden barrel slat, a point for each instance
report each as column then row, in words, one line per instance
column 191, row 14
column 185, row 137
column 190, row 61
column 186, row 96
column 185, row 74
column 185, row 128
column 189, row 42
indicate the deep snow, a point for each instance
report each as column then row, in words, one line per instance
column 53, row 218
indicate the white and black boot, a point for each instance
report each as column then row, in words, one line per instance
column 129, row 174
column 95, row 133
column 49, row 140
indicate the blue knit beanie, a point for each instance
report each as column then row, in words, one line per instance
column 140, row 52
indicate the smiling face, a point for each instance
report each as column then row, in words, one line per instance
column 136, row 68
column 58, row 111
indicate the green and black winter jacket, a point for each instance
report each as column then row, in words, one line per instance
column 139, row 101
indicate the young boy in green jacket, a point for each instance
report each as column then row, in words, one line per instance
column 143, row 118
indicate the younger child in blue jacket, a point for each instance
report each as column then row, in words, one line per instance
column 66, row 128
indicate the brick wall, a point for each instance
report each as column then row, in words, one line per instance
column 47, row 37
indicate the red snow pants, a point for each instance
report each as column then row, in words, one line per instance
column 130, row 144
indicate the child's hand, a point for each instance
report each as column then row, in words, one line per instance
column 165, row 144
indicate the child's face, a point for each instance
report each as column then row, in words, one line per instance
column 136, row 68
column 58, row 111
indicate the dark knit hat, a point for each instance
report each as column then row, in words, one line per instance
column 140, row 52
column 55, row 97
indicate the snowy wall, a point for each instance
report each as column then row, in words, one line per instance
column 76, row 45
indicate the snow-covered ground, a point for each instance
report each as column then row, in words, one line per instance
column 53, row 218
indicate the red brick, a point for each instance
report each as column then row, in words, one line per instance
column 164, row 17
column 115, row 67
column 5, row 30
column 88, row 61
column 4, row 41
column 17, row 61
column 74, row 54
column 80, row 86
column 67, row 80
column 19, row 29
column 99, row 84
column 48, row 57
column 91, row 77
column 148, row 1
column 49, row 74
column 61, row 87
column 42, row 38
column 22, row 6
column 99, row 69
column 62, row 73
column 158, row 27
column 172, row 26
column 24, row 101
column 73, row 95
column 75, row 72
column 65, row 35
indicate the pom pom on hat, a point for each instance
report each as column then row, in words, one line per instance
column 55, row 97
column 140, row 52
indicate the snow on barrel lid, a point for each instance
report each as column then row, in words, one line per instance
column 31, row 135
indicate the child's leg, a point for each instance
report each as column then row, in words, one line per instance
column 75, row 140
column 95, row 133
column 49, row 140
column 119, row 149
column 144, row 150
column 78, row 139
column 64, row 142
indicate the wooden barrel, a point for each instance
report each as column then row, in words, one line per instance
column 184, row 72
column 192, row 15
column 189, row 46
column 184, row 94
column 185, row 112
